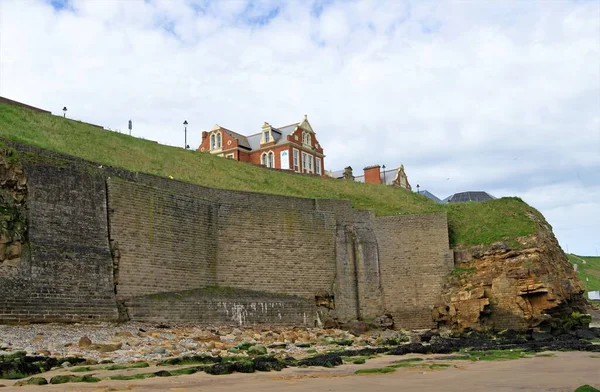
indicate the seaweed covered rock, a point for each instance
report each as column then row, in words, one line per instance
column 325, row 360
column 266, row 364
column 221, row 368
column 244, row 366
column 32, row 381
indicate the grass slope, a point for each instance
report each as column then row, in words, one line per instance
column 588, row 272
column 469, row 223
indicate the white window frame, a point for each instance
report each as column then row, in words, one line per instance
column 304, row 163
column 318, row 165
column 213, row 141
column 296, row 160
column 230, row 156
column 219, row 140
column 267, row 137
column 271, row 160
column 263, row 159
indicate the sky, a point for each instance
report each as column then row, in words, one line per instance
column 501, row 96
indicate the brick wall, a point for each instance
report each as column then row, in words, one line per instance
column 169, row 235
column 276, row 249
column 166, row 241
column 65, row 273
column 223, row 306
column 414, row 260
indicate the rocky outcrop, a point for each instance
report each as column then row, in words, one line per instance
column 530, row 284
column 13, row 225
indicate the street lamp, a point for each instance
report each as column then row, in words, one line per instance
column 417, row 189
column 185, row 124
column 65, row 112
column 384, row 183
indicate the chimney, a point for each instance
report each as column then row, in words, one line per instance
column 348, row 173
column 372, row 174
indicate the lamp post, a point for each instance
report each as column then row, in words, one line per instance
column 65, row 112
column 383, row 167
column 417, row 189
column 185, row 124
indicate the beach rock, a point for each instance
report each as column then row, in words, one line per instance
column 257, row 350
column 84, row 342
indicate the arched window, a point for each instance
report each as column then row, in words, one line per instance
column 263, row 159
column 212, row 141
column 271, row 159
column 219, row 140
column 306, row 138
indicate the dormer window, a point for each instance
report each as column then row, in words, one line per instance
column 267, row 137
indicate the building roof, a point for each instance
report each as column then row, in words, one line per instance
column 387, row 178
column 242, row 140
column 280, row 135
column 430, row 195
column 468, row 196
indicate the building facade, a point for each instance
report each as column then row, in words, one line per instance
column 374, row 175
column 293, row 147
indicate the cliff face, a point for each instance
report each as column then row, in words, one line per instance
column 13, row 227
column 496, row 287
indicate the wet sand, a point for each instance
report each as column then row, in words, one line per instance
column 565, row 371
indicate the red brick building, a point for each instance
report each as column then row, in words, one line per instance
column 292, row 147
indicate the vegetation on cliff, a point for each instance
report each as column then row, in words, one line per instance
column 588, row 270
column 469, row 223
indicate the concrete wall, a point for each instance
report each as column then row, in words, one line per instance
column 415, row 259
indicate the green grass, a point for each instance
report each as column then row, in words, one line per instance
column 588, row 272
column 469, row 223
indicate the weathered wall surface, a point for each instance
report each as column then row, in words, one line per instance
column 415, row 259
column 94, row 231
column 276, row 250
column 166, row 241
column 223, row 306
column 65, row 272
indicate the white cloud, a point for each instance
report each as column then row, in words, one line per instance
column 495, row 95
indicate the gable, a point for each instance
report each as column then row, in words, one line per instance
column 305, row 125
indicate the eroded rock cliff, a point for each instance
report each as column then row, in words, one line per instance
column 13, row 225
column 527, row 285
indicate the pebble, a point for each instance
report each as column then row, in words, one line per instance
column 153, row 344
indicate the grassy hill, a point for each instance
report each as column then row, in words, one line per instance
column 588, row 270
column 469, row 223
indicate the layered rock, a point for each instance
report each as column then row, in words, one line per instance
column 13, row 225
column 531, row 284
